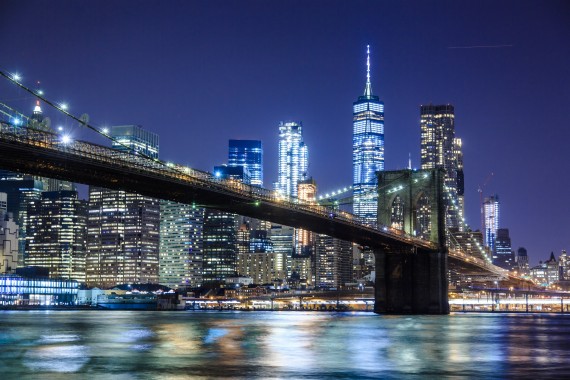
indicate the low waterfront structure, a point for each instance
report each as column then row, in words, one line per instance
column 22, row 291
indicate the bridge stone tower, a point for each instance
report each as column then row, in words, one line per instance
column 411, row 279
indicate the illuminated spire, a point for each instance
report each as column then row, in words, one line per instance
column 37, row 108
column 409, row 161
column 368, row 89
column 38, row 114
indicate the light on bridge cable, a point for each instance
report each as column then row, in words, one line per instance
column 63, row 106
column 66, row 139
column 17, row 77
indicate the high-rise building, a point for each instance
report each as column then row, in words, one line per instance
column 305, row 239
column 522, row 261
column 491, row 220
column 293, row 158
column 367, row 149
column 20, row 193
column 220, row 245
column 333, row 262
column 56, row 234
column 282, row 238
column 8, row 238
column 123, row 228
column 503, row 256
column 249, row 154
column 564, row 266
column 441, row 149
column 180, row 261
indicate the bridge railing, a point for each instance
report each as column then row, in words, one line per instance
column 132, row 162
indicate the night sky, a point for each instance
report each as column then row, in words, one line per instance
column 199, row 73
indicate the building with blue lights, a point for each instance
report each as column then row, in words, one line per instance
column 249, row 154
column 293, row 158
column 367, row 150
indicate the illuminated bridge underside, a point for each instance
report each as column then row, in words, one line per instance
column 42, row 153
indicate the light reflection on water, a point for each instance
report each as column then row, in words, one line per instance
column 181, row 345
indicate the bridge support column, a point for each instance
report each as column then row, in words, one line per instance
column 411, row 283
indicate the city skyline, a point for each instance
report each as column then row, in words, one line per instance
column 472, row 77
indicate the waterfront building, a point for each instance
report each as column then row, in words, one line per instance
column 249, row 154
column 293, row 158
column 367, row 149
column 180, row 260
column 56, row 234
column 491, row 220
column 8, row 238
column 123, row 228
column 503, row 256
column 441, row 149
column 19, row 290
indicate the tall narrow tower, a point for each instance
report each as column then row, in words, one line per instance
column 367, row 149
column 441, row 149
column 293, row 158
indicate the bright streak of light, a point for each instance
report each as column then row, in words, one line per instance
column 105, row 130
column 63, row 106
column 17, row 77
column 66, row 139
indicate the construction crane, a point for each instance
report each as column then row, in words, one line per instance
column 480, row 190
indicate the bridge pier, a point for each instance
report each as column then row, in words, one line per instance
column 411, row 283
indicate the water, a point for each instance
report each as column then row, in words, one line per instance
column 273, row 345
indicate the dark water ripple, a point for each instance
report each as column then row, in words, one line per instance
column 275, row 345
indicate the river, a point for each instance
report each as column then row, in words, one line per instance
column 274, row 345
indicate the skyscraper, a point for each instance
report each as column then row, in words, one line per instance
column 220, row 246
column 180, row 262
column 491, row 219
column 522, row 260
column 367, row 149
column 56, row 234
column 293, row 158
column 123, row 228
column 503, row 256
column 249, row 154
column 20, row 193
column 441, row 149
column 8, row 238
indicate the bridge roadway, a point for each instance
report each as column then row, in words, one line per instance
column 44, row 153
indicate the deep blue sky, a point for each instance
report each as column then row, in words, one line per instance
column 202, row 72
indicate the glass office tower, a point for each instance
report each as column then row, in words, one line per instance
column 367, row 150
column 249, row 154
column 293, row 158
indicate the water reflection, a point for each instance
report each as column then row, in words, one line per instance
column 173, row 345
